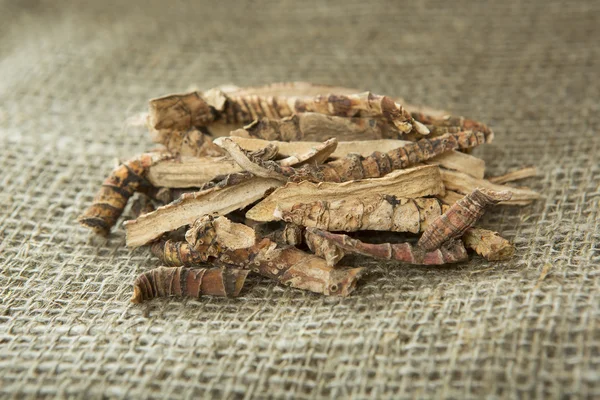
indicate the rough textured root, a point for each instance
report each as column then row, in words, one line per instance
column 379, row 213
column 318, row 127
column 488, row 244
column 192, row 142
column 178, row 253
column 111, row 199
column 354, row 166
column 262, row 167
column 253, row 107
column 182, row 112
column 459, row 217
column 285, row 264
column 452, row 252
column 323, row 248
column 450, row 124
column 189, row 282
column 217, row 200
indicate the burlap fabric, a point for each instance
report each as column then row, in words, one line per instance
column 70, row 75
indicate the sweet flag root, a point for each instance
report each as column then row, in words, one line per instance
column 280, row 180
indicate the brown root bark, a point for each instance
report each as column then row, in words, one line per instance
column 188, row 282
column 453, row 252
column 111, row 199
column 460, row 217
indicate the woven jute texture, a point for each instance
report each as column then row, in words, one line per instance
column 72, row 73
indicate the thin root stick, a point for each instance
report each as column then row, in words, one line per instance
column 453, row 252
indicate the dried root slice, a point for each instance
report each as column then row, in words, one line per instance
column 318, row 127
column 250, row 108
column 287, row 265
column 187, row 172
column 376, row 213
column 514, row 175
column 323, row 248
column 188, row 282
column 294, row 148
column 410, row 183
column 258, row 166
column 454, row 251
column 464, row 184
column 488, row 244
column 460, row 217
column 378, row 164
column 220, row 199
column 220, row 232
column 462, row 162
column 295, row 268
column 111, row 199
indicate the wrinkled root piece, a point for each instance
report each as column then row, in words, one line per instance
column 375, row 213
column 452, row 252
column 488, row 244
column 174, row 253
column 439, row 125
column 514, row 175
column 111, row 199
column 378, row 164
column 188, row 282
column 315, row 126
column 410, row 183
column 465, row 184
column 459, row 217
column 217, row 200
column 264, row 168
column 287, row 264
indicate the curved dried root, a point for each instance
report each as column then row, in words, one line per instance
column 459, row 217
column 188, row 282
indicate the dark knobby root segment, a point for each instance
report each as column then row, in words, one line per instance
column 451, row 124
column 354, row 166
column 453, row 252
column 188, row 282
column 461, row 216
column 111, row 199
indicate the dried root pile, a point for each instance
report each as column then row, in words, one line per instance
column 284, row 180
